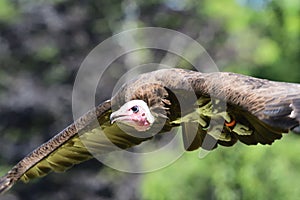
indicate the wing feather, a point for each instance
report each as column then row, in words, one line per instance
column 269, row 108
column 59, row 153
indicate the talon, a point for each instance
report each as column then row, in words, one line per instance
column 205, row 128
column 230, row 124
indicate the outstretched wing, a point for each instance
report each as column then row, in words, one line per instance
column 71, row 146
column 254, row 110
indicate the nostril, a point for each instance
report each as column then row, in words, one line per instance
column 143, row 114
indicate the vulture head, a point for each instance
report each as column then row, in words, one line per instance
column 134, row 113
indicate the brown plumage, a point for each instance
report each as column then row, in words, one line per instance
column 220, row 108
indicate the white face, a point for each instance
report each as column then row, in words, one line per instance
column 135, row 113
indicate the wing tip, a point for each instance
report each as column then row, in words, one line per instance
column 5, row 184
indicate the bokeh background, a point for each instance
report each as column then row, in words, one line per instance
column 42, row 44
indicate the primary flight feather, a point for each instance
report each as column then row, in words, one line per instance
column 224, row 108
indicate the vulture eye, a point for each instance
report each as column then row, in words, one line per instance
column 135, row 109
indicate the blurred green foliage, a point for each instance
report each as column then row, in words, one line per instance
column 8, row 12
column 42, row 44
column 241, row 172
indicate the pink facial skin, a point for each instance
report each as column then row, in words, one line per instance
column 134, row 113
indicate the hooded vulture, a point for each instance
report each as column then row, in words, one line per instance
column 224, row 107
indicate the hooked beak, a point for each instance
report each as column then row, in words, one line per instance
column 115, row 116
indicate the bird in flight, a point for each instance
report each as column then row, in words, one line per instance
column 218, row 108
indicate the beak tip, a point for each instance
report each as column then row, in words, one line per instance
column 111, row 119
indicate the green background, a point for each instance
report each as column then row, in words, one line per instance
column 42, row 44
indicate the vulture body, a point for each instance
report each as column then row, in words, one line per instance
column 224, row 108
